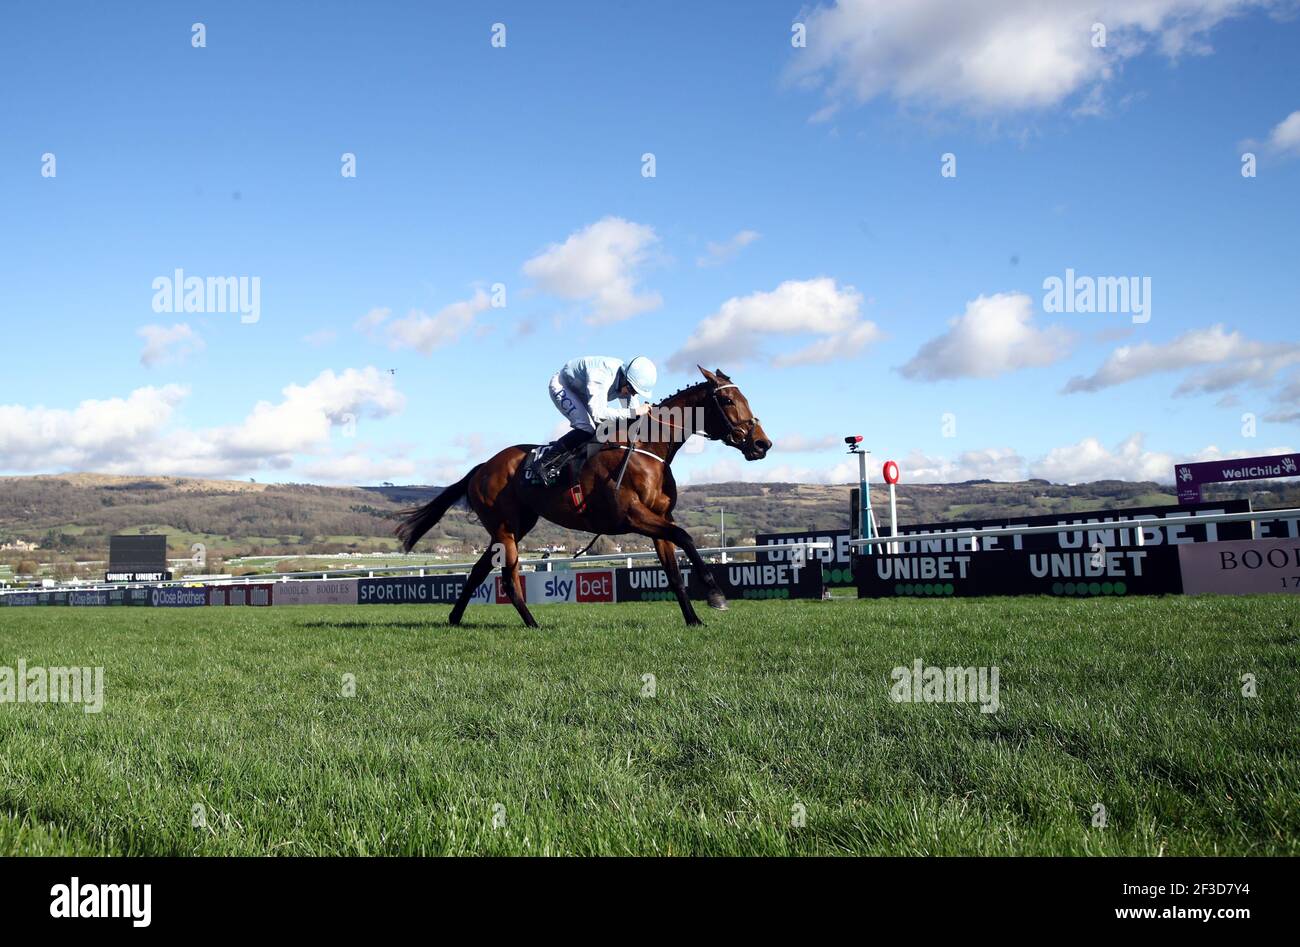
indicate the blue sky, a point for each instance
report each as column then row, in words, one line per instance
column 797, row 232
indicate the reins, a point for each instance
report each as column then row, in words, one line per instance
column 730, row 437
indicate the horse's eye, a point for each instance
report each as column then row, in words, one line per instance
column 726, row 401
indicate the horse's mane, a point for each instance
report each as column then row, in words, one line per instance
column 682, row 390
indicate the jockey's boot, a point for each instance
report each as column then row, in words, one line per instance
column 559, row 454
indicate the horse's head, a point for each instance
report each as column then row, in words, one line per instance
column 728, row 418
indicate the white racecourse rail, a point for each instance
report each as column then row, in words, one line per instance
column 724, row 551
column 535, row 562
column 1139, row 534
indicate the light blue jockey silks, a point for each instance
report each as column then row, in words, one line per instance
column 593, row 381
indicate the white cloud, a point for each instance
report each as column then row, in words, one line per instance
column 1090, row 460
column 1240, row 360
column 132, row 435
column 168, row 343
column 1287, row 402
column 993, row 337
column 599, row 264
column 837, row 345
column 40, row 438
column 372, row 320
column 359, row 466
column 1284, row 139
column 992, row 463
column 994, row 55
column 1082, row 462
column 305, row 416
column 424, row 333
column 815, row 307
column 718, row 253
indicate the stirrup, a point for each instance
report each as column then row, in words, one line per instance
column 549, row 466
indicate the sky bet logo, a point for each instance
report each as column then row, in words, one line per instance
column 558, row 588
column 580, row 585
column 596, row 586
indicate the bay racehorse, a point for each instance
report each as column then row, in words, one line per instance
column 621, row 494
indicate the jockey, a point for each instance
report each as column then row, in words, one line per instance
column 582, row 391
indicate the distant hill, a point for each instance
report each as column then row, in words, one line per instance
column 72, row 515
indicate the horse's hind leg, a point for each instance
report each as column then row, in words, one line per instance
column 476, row 577
column 511, row 580
column 668, row 559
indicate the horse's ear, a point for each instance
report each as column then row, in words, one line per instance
column 721, row 374
column 708, row 375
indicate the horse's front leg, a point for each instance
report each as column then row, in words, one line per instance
column 657, row 526
column 683, row 539
column 668, row 559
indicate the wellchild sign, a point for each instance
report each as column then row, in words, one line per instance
column 1191, row 477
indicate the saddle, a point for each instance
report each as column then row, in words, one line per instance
column 550, row 463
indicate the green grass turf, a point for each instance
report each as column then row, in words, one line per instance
column 1135, row 704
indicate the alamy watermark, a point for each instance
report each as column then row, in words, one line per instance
column 660, row 426
column 946, row 685
column 181, row 293
column 56, row 685
column 1104, row 294
column 78, row 899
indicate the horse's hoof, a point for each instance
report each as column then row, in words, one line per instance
column 718, row 600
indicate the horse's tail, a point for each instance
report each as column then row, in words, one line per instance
column 420, row 520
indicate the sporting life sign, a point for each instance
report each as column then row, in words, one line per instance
column 576, row 585
column 1191, row 477
column 410, row 590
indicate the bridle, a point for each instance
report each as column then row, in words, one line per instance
column 733, row 436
